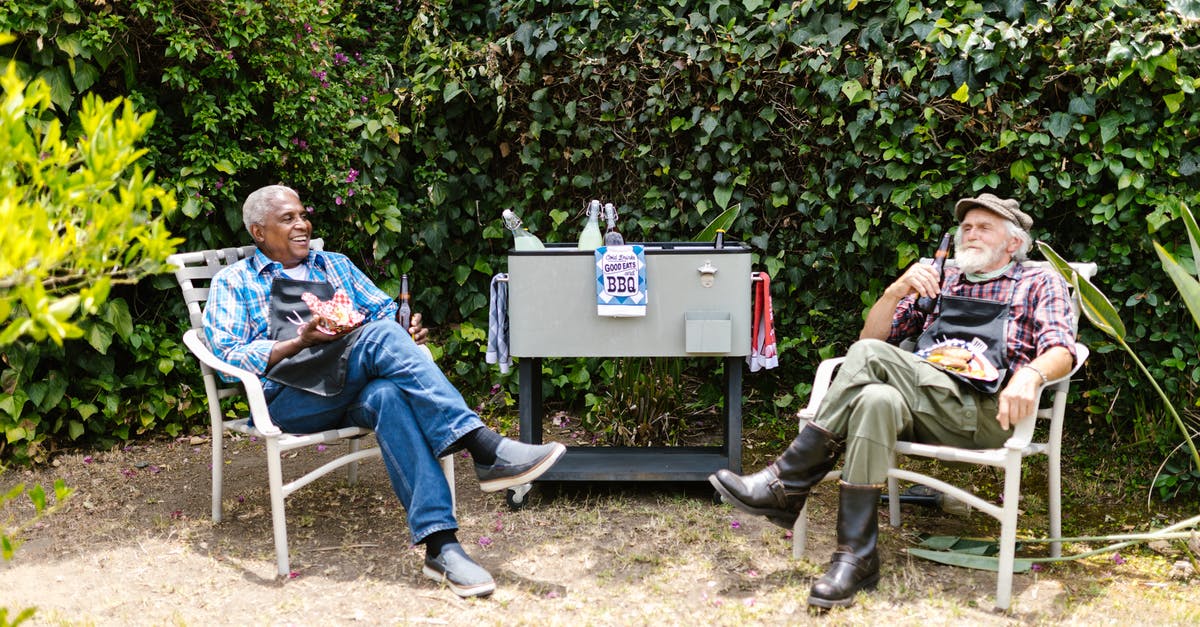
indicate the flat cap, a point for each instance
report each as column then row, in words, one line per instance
column 1006, row 208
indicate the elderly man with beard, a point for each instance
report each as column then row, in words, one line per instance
column 882, row 392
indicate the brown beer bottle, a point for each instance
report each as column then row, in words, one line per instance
column 404, row 313
column 925, row 304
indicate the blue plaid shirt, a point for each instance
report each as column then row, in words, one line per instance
column 237, row 311
column 1041, row 315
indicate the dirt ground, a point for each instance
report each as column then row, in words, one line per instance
column 135, row 545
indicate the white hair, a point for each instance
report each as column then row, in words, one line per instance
column 260, row 201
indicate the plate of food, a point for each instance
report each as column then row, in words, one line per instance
column 338, row 312
column 957, row 357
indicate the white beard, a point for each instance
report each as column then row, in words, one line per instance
column 975, row 261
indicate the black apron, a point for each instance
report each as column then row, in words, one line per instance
column 320, row 369
column 968, row 319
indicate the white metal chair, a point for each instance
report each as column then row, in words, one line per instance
column 194, row 272
column 1008, row 458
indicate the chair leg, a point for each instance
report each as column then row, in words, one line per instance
column 278, row 514
column 352, row 467
column 218, row 469
column 1054, row 471
column 1008, row 533
column 800, row 534
column 893, row 488
column 448, row 470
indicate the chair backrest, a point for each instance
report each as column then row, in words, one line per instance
column 194, row 272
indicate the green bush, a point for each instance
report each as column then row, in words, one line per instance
column 843, row 130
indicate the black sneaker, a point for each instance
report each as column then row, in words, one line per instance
column 517, row 463
column 464, row 576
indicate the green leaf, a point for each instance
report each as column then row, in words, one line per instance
column 1187, row 285
column 969, row 560
column 722, row 222
column 962, row 93
column 1193, row 232
column 722, row 194
column 1096, row 307
column 37, row 495
column 1174, row 101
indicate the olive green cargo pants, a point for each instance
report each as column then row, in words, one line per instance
column 882, row 393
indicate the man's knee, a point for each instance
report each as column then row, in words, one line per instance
column 867, row 347
column 878, row 409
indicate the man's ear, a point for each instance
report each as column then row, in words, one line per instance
column 256, row 231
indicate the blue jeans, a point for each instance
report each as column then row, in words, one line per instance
column 395, row 389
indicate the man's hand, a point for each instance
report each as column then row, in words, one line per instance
column 920, row 278
column 1018, row 399
column 418, row 331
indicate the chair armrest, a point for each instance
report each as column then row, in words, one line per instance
column 1023, row 433
column 820, row 386
column 250, row 381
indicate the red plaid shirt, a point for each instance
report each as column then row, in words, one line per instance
column 1040, row 316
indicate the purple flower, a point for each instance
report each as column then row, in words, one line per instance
column 87, row 460
column 362, row 99
column 1037, row 568
column 735, row 525
column 337, row 200
column 485, row 541
column 308, row 209
column 1117, row 559
column 352, row 176
column 321, row 448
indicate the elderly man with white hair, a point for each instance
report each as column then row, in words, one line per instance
column 1013, row 324
column 322, row 369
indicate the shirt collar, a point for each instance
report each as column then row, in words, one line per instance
column 262, row 264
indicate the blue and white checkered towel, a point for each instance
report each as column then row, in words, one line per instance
column 497, row 340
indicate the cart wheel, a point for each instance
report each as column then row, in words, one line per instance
column 716, row 497
column 515, row 497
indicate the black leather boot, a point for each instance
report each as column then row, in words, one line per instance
column 779, row 490
column 855, row 563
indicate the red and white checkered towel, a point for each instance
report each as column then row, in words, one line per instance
column 762, row 327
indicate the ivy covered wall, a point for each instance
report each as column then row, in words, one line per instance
column 844, row 131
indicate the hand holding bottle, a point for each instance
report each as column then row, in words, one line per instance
column 928, row 299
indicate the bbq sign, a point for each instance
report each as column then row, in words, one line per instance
column 620, row 281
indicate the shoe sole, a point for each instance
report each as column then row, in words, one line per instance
column 477, row 590
column 787, row 520
column 495, row 485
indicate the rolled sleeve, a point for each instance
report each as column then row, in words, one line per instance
column 231, row 327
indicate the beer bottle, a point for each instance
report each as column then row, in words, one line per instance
column 613, row 237
column 404, row 313
column 925, row 304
